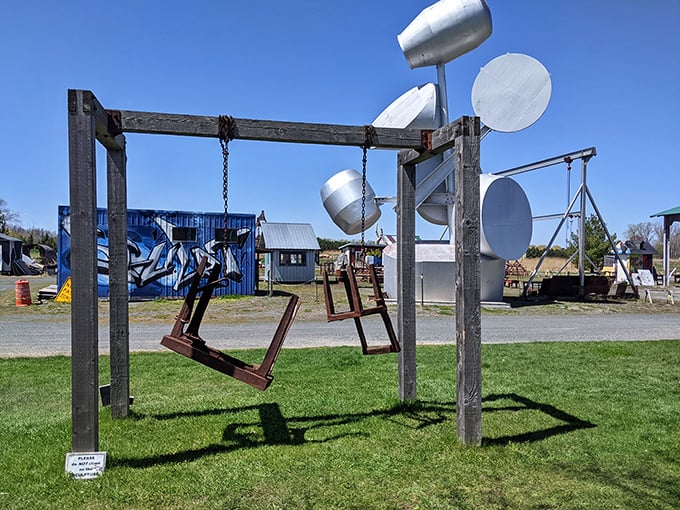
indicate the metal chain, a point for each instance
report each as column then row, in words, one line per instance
column 369, row 131
column 226, row 127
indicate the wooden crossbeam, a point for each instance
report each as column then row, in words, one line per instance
column 270, row 131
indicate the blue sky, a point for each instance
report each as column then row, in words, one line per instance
column 614, row 65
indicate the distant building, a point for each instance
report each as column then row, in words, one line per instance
column 635, row 255
column 10, row 252
column 290, row 249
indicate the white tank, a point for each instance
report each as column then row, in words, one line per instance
column 342, row 197
column 444, row 31
column 435, row 271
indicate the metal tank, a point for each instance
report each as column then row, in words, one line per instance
column 342, row 198
column 444, row 31
column 435, row 270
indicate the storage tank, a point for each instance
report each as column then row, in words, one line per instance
column 435, row 271
column 444, row 31
column 342, row 198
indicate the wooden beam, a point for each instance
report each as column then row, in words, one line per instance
column 107, row 126
column 406, row 279
column 119, row 329
column 84, row 310
column 269, row 130
column 440, row 141
column 468, row 309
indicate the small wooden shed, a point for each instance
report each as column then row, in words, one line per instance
column 291, row 251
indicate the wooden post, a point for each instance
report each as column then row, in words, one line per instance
column 468, row 310
column 119, row 332
column 84, row 313
column 406, row 279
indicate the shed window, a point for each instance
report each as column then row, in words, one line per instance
column 292, row 258
column 184, row 234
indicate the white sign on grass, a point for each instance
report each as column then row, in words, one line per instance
column 85, row 466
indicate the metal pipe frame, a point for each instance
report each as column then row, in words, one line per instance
column 583, row 153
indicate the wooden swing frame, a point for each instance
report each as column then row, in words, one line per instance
column 90, row 122
column 357, row 310
column 188, row 342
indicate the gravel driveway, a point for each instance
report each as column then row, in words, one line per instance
column 36, row 335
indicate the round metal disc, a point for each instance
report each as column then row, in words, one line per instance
column 511, row 92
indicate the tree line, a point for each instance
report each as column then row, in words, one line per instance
column 596, row 243
column 10, row 225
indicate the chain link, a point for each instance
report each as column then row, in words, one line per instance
column 369, row 131
column 226, row 128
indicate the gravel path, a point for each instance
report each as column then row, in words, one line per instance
column 39, row 335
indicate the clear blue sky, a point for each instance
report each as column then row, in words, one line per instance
column 615, row 66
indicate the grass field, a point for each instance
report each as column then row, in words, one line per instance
column 565, row 426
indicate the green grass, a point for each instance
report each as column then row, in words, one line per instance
column 569, row 425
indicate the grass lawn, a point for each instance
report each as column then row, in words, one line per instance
column 572, row 425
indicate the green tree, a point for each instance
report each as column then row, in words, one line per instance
column 330, row 244
column 34, row 235
column 596, row 243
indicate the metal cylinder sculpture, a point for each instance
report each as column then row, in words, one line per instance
column 342, row 198
column 444, row 31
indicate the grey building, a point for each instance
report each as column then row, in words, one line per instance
column 10, row 252
column 290, row 249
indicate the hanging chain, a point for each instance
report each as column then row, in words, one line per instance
column 226, row 128
column 568, row 161
column 369, row 132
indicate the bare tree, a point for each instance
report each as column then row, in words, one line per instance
column 674, row 239
column 645, row 231
column 7, row 217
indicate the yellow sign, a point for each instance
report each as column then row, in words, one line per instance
column 64, row 294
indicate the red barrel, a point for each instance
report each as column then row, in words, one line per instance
column 23, row 293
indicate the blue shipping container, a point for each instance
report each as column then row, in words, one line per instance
column 165, row 247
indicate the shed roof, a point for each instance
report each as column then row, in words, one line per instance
column 668, row 212
column 289, row 236
column 5, row 237
column 641, row 248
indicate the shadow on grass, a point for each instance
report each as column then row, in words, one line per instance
column 279, row 430
column 570, row 422
column 522, row 302
column 273, row 428
column 275, row 293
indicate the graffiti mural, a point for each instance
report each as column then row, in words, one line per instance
column 164, row 249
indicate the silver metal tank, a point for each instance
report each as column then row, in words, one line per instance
column 342, row 196
column 444, row 31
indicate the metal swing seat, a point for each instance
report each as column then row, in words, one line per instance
column 357, row 310
column 187, row 342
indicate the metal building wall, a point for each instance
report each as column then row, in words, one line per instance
column 157, row 266
column 294, row 274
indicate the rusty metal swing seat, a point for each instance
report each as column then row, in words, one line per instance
column 188, row 342
column 357, row 310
